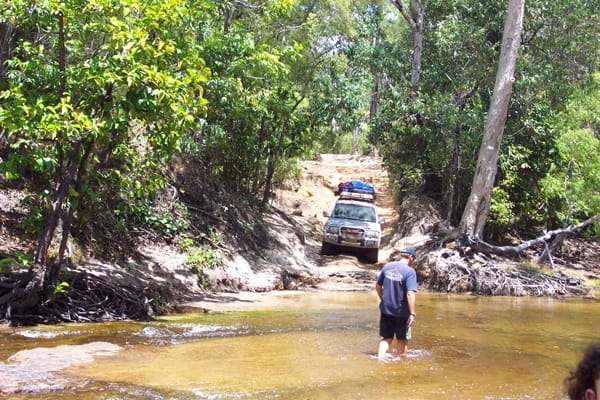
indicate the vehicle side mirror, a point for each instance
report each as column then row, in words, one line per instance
column 326, row 214
column 382, row 221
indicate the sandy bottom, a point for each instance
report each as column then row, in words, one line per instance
column 245, row 301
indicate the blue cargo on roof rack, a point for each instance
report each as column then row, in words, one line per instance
column 356, row 187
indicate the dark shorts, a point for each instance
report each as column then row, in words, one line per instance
column 390, row 326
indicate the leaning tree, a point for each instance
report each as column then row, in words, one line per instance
column 478, row 203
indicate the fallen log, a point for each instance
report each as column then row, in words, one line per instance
column 479, row 245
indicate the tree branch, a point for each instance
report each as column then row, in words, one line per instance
column 481, row 246
column 408, row 18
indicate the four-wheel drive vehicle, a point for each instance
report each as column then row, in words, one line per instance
column 353, row 225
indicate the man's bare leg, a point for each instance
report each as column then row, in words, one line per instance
column 402, row 346
column 384, row 345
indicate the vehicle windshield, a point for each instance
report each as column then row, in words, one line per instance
column 354, row 211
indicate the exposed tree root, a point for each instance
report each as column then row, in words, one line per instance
column 447, row 270
column 472, row 266
column 87, row 298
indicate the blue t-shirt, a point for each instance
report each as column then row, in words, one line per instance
column 397, row 279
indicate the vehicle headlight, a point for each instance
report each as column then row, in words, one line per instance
column 332, row 229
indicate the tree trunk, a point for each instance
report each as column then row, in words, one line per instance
column 7, row 32
column 374, row 105
column 478, row 204
column 453, row 178
column 56, row 208
column 418, row 12
column 271, row 163
column 228, row 11
column 62, row 53
column 274, row 158
column 65, row 176
column 415, row 20
column 277, row 153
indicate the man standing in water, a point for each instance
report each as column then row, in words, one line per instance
column 396, row 287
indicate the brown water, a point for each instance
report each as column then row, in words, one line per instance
column 320, row 346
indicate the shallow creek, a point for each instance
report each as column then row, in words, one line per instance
column 313, row 346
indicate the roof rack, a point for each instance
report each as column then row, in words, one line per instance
column 370, row 197
column 356, row 187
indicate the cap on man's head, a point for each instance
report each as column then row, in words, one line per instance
column 409, row 251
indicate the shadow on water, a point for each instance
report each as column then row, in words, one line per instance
column 320, row 346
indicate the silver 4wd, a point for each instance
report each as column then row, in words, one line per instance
column 353, row 225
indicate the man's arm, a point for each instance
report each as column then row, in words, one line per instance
column 379, row 290
column 411, row 297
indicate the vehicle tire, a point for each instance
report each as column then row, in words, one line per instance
column 327, row 249
column 371, row 256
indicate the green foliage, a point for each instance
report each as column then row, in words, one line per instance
column 17, row 260
column 571, row 185
column 520, row 168
column 532, row 268
column 106, row 115
column 554, row 61
column 24, row 258
column 167, row 222
column 186, row 243
column 501, row 209
column 439, row 134
column 61, row 287
column 204, row 256
column 344, row 88
column 289, row 169
column 259, row 111
column 7, row 263
column 36, row 204
column 344, row 144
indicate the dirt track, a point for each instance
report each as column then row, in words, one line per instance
column 304, row 201
column 314, row 193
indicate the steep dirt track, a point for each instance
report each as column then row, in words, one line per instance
column 306, row 200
